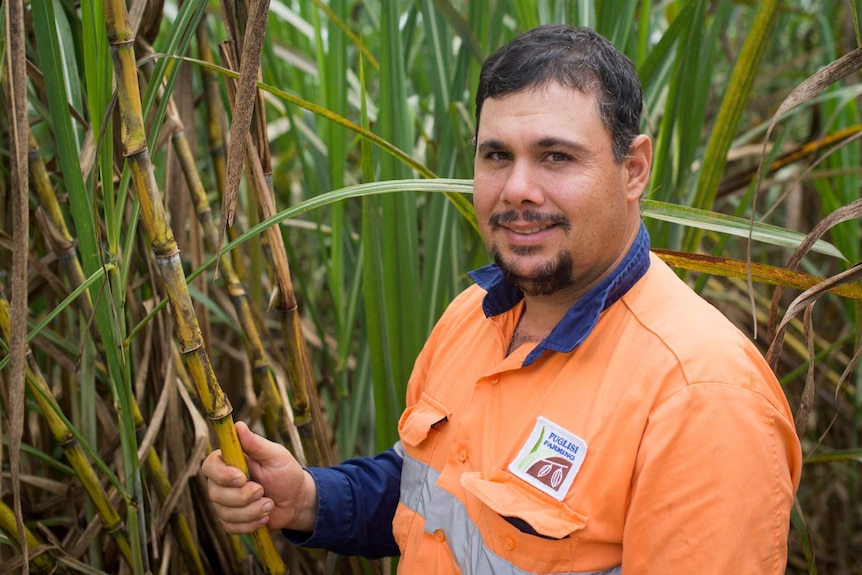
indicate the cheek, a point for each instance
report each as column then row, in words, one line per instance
column 484, row 199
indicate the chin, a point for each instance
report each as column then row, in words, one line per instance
column 541, row 278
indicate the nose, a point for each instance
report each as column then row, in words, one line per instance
column 521, row 186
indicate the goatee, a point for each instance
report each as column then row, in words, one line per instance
column 546, row 279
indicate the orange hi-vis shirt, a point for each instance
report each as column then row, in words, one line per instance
column 661, row 444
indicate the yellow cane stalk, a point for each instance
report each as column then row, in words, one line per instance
column 63, row 245
column 41, row 563
column 276, row 425
column 155, row 223
column 188, row 384
column 304, row 400
column 74, row 453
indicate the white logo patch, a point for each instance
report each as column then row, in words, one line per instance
column 550, row 459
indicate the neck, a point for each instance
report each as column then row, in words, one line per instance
column 541, row 314
column 519, row 338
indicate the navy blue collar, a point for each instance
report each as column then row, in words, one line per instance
column 582, row 317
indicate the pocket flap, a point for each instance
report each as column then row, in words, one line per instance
column 509, row 496
column 418, row 420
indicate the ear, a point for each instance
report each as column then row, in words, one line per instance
column 637, row 166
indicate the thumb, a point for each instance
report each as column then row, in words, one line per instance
column 259, row 448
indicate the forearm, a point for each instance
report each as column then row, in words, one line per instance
column 356, row 501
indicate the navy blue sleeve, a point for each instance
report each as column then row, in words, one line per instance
column 356, row 502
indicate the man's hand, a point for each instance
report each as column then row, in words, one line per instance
column 279, row 494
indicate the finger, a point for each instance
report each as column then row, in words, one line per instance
column 217, row 471
column 246, row 518
column 230, row 496
column 259, row 448
column 244, row 528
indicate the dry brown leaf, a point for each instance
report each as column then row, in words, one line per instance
column 246, row 94
column 806, row 298
column 195, row 458
column 851, row 211
column 15, row 75
column 809, row 88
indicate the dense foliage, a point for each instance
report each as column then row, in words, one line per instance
column 122, row 325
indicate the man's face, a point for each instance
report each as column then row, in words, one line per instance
column 554, row 209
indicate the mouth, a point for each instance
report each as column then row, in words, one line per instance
column 527, row 231
column 528, row 224
column 526, row 239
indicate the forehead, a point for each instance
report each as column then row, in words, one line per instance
column 553, row 110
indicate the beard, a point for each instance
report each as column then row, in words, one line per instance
column 546, row 278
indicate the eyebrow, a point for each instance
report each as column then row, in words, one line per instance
column 490, row 146
column 542, row 143
column 555, row 142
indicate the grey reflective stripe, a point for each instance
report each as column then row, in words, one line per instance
column 442, row 510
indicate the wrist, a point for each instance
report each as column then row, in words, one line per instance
column 306, row 517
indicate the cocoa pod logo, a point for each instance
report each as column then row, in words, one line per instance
column 551, row 471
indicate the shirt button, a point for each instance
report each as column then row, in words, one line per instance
column 462, row 455
column 495, row 380
column 439, row 535
column 509, row 543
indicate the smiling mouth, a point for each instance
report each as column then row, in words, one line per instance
column 517, row 222
column 527, row 232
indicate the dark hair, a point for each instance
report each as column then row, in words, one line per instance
column 578, row 58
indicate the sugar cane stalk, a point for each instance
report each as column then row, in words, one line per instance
column 189, row 387
column 303, row 397
column 73, row 451
column 155, row 222
column 40, row 563
column 261, row 371
column 62, row 244
column 263, row 379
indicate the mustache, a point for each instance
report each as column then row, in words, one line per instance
column 531, row 216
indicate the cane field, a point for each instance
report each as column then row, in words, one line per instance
column 256, row 211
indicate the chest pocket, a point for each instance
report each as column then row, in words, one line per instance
column 421, row 420
column 506, row 496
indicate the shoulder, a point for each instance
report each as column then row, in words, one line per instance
column 671, row 313
column 664, row 302
column 694, row 338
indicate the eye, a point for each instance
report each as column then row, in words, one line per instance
column 558, row 157
column 498, row 156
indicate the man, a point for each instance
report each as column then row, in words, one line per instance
column 579, row 409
